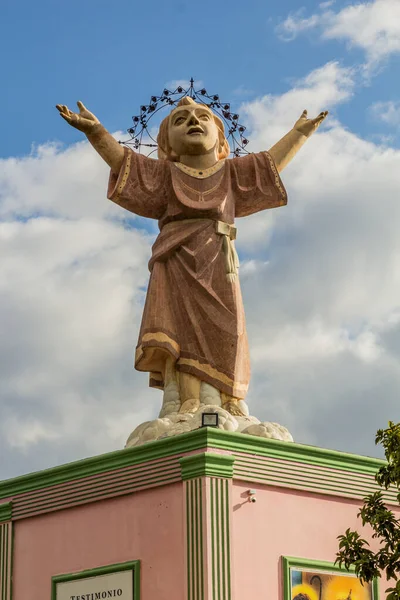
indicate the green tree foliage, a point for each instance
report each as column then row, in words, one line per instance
column 354, row 551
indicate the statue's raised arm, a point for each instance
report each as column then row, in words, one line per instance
column 102, row 141
column 283, row 151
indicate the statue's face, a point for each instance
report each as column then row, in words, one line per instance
column 192, row 131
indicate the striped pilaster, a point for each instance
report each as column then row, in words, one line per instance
column 219, row 514
column 208, row 481
column 5, row 551
column 195, row 539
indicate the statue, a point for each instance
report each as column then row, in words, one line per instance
column 193, row 328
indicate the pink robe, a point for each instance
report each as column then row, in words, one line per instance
column 192, row 311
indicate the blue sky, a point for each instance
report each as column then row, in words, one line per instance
column 320, row 277
column 114, row 57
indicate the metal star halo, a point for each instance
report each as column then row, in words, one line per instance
column 139, row 131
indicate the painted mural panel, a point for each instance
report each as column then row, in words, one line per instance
column 319, row 582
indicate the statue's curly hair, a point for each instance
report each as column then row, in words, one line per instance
column 164, row 149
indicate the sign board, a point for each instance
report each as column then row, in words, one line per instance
column 113, row 581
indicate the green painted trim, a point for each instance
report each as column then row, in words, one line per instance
column 213, row 521
column 216, row 541
column 193, row 548
column 194, row 539
column 102, row 486
column 5, row 512
column 202, row 438
column 308, row 478
column 3, row 560
column 228, row 538
column 12, row 559
column 289, row 562
column 251, row 444
column 207, row 464
column 133, row 565
column 180, row 444
column 375, row 588
column 37, row 506
column 220, row 539
column 188, row 544
column 6, row 560
column 202, row 541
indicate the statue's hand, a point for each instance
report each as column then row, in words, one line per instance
column 308, row 126
column 84, row 120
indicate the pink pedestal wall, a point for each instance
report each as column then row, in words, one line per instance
column 181, row 508
column 283, row 523
column 147, row 525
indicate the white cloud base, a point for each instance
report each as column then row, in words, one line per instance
column 171, row 423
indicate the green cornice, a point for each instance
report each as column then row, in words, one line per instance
column 102, row 463
column 5, row 512
column 203, row 438
column 207, row 464
column 251, row 444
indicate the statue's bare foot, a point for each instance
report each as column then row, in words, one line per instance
column 234, row 409
column 234, row 406
column 191, row 405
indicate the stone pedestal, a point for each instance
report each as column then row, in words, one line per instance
column 206, row 515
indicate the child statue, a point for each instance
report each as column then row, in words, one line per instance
column 193, row 327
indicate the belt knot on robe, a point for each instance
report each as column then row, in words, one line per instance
column 228, row 232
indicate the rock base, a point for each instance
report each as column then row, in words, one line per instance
column 175, row 423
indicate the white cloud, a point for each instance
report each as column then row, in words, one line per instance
column 23, row 435
column 295, row 24
column 324, row 327
column 71, row 293
column 56, row 182
column 322, row 89
column 314, row 338
column 270, row 117
column 374, row 27
column 387, row 112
